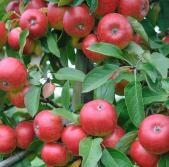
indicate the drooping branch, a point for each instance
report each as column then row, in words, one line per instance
column 48, row 101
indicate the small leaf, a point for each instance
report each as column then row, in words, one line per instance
column 32, row 98
column 134, row 102
column 77, row 2
column 70, row 74
column 91, row 151
column 92, row 4
column 98, row 76
column 138, row 28
column 115, row 158
column 64, row 2
column 164, row 161
column 66, row 95
column 52, row 44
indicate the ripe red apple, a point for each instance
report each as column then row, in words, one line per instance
column 106, row 6
column 55, row 15
column 48, row 126
column 13, row 41
column 78, row 21
column 25, row 134
column 36, row 4
column 87, row 42
column 154, row 133
column 13, row 7
column 3, row 34
column 114, row 28
column 54, row 154
column 71, row 137
column 13, row 74
column 137, row 39
column 111, row 140
column 17, row 97
column 98, row 118
column 166, row 39
column 134, row 8
column 141, row 156
column 35, row 21
column 7, row 139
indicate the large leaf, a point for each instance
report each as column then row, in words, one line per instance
column 138, row 28
column 115, row 158
column 126, row 141
column 91, row 151
column 134, row 102
column 98, row 76
column 32, row 99
column 107, row 49
column 164, row 161
column 70, row 74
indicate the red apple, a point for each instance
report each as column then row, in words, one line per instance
column 135, row 8
column 78, row 21
column 141, row 156
column 55, row 15
column 154, row 133
column 111, row 140
column 7, row 139
column 13, row 74
column 87, row 42
column 48, row 89
column 137, row 39
column 35, row 21
column 106, row 6
column 48, row 126
column 17, row 97
column 36, row 4
column 13, row 7
column 54, row 154
column 71, row 137
column 114, row 28
column 98, row 118
column 25, row 134
column 166, row 39
column 3, row 34
column 13, row 41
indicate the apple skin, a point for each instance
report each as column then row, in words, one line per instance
column 114, row 28
column 87, row 42
column 78, row 21
column 98, row 118
column 166, row 39
column 106, row 7
column 25, row 134
column 55, row 15
column 71, row 137
column 54, row 154
column 35, row 21
column 13, row 41
column 142, row 157
column 137, row 39
column 135, row 8
column 154, row 133
column 36, row 4
column 3, row 34
column 13, row 7
column 111, row 140
column 17, row 97
column 48, row 126
column 13, row 74
column 7, row 139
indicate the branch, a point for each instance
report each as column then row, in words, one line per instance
column 13, row 159
column 48, row 101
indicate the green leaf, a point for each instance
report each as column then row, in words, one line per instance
column 66, row 114
column 134, row 48
column 106, row 91
column 165, row 84
column 32, row 99
column 107, row 49
column 37, row 162
column 92, row 4
column 66, row 95
column 125, row 142
column 115, row 158
column 161, row 63
column 98, row 76
column 134, row 102
column 52, row 44
column 138, row 28
column 91, row 151
column 164, row 161
column 77, row 2
column 22, row 41
column 64, row 2
column 70, row 74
